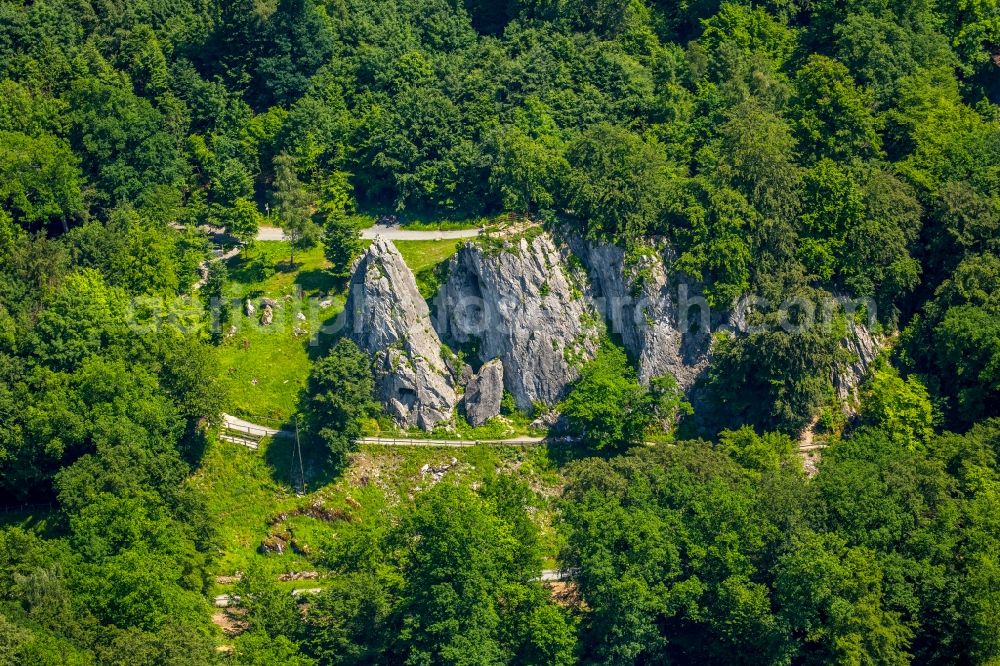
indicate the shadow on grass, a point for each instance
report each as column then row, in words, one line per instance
column 324, row 341
column 302, row 462
column 193, row 445
column 315, row 470
column 250, row 269
column 320, row 280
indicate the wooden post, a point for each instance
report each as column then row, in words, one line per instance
column 298, row 449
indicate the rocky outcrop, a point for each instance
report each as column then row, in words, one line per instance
column 483, row 394
column 388, row 319
column 516, row 301
column 645, row 309
column 863, row 348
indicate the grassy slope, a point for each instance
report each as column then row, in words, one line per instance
column 265, row 368
column 426, row 260
column 251, row 495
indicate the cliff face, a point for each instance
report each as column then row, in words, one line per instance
column 534, row 312
column 647, row 311
column 389, row 320
column 863, row 348
column 651, row 314
column 517, row 302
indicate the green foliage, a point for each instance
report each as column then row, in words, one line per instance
column 615, row 184
column 786, row 368
column 832, row 595
column 857, row 232
column 606, row 407
column 661, row 580
column 242, row 221
column 341, row 244
column 900, row 408
column 777, row 147
column 39, row 180
column 955, row 342
column 765, row 453
column 293, row 206
column 683, row 551
column 668, row 400
column 257, row 648
column 467, row 597
column 270, row 609
column 125, row 143
column 84, row 317
column 833, row 116
column 530, row 160
column 341, row 394
column 135, row 253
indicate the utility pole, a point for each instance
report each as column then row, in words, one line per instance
column 298, row 450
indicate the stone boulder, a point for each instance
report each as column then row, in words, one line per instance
column 483, row 393
column 517, row 301
column 388, row 319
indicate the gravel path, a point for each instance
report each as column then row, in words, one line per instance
column 235, row 425
column 386, row 231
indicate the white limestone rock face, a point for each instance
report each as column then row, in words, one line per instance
column 517, row 301
column 484, row 393
column 645, row 309
column 389, row 320
column 863, row 348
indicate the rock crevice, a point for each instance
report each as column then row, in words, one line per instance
column 519, row 303
column 484, row 393
column 650, row 313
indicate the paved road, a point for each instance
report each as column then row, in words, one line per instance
column 236, row 425
column 389, row 232
column 386, row 231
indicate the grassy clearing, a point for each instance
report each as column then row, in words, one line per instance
column 244, row 492
column 265, row 367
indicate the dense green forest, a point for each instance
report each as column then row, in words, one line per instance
column 823, row 147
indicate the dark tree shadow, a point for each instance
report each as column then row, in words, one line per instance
column 303, row 462
column 249, row 270
column 320, row 280
column 193, row 445
column 317, row 467
column 563, row 453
